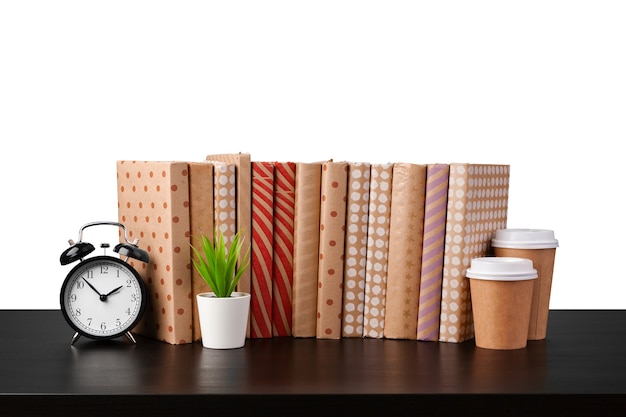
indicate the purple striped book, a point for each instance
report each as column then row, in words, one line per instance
column 432, row 252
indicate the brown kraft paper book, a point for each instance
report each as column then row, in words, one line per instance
column 200, row 222
column 377, row 250
column 331, row 250
column 282, row 276
column 243, row 170
column 431, row 275
column 153, row 200
column 306, row 248
column 262, row 254
column 477, row 207
column 406, row 229
column 357, row 210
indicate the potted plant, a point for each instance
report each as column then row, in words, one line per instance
column 223, row 312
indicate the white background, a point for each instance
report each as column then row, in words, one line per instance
column 539, row 85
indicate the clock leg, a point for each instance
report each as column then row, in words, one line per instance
column 130, row 337
column 75, row 338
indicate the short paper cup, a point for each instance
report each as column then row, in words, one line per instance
column 501, row 292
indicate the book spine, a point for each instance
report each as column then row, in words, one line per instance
column 331, row 251
column 406, row 229
column 225, row 201
column 243, row 192
column 477, row 207
column 357, row 210
column 200, row 222
column 435, row 209
column 284, row 206
column 377, row 250
column 306, row 248
column 153, row 204
column 262, row 254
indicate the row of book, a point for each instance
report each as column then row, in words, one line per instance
column 338, row 248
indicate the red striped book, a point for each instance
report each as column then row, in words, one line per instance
column 284, row 209
column 262, row 255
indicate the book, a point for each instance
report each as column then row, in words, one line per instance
column 153, row 205
column 377, row 250
column 331, row 250
column 306, row 230
column 201, row 221
column 355, row 258
column 406, row 229
column 477, row 207
column 225, row 200
column 262, row 251
column 282, row 278
column 243, row 191
column 431, row 275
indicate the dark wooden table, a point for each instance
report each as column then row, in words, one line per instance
column 580, row 369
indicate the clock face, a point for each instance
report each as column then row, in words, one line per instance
column 103, row 297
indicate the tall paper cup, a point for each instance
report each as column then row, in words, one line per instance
column 538, row 245
column 501, row 292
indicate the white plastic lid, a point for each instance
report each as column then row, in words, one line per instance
column 501, row 268
column 524, row 239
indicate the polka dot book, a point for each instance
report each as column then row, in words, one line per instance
column 377, row 250
column 153, row 204
column 477, row 206
column 243, row 205
column 331, row 249
column 356, row 248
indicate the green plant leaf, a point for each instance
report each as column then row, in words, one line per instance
column 218, row 264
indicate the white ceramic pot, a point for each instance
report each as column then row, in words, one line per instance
column 223, row 320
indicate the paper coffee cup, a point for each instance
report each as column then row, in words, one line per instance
column 501, row 291
column 538, row 245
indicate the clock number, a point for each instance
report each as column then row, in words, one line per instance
column 118, row 323
column 90, row 274
column 89, row 319
column 104, row 269
column 133, row 298
column 128, row 283
column 103, row 326
column 73, row 297
column 78, row 312
column 80, row 284
column 128, row 311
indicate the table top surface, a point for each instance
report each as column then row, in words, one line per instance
column 584, row 353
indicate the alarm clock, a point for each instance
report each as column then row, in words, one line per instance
column 103, row 297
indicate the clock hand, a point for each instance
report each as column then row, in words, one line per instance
column 92, row 287
column 114, row 291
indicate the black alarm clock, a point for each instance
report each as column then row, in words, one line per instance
column 103, row 297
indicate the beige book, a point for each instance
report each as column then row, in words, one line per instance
column 406, row 230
